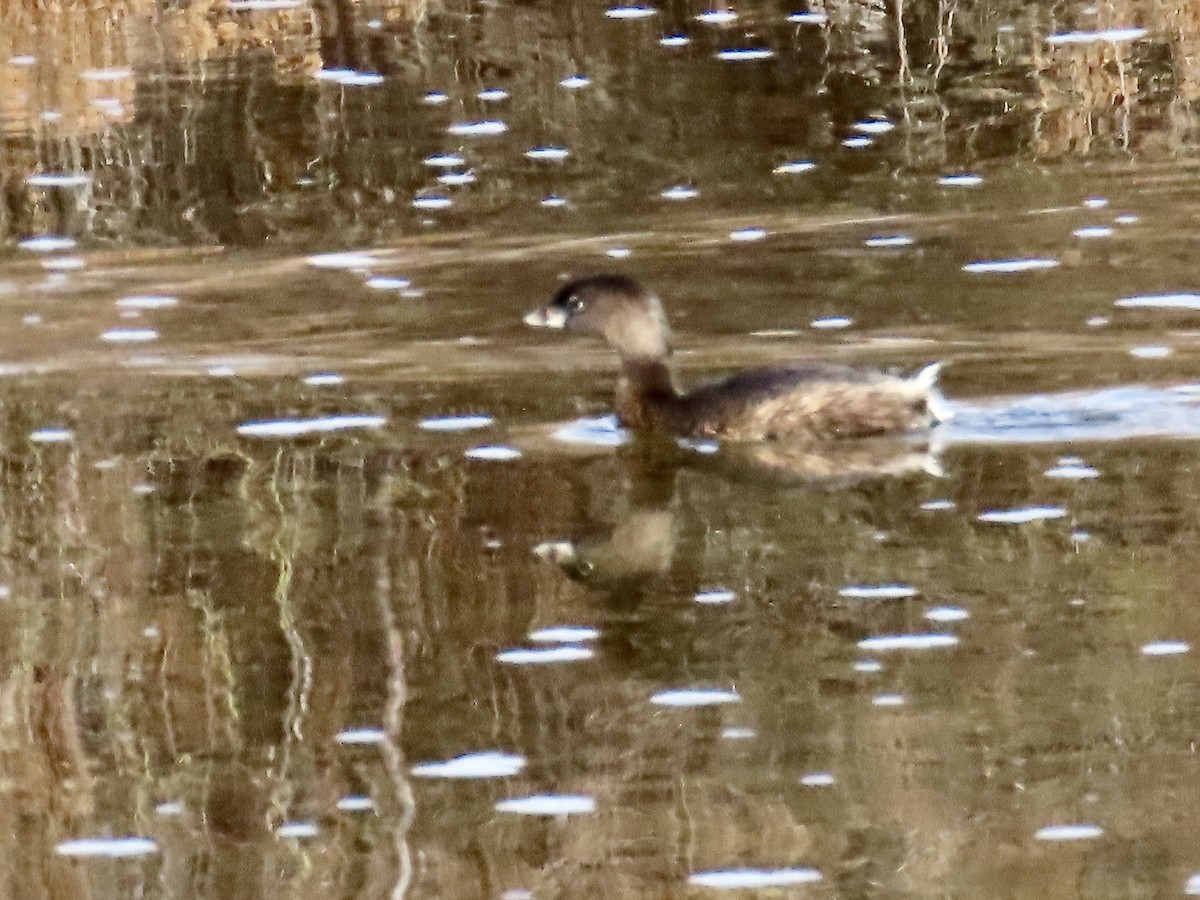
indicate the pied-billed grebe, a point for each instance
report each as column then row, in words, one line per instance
column 815, row 401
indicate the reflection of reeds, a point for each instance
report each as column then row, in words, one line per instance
column 293, row 593
column 221, row 135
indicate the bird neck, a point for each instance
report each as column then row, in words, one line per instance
column 645, row 389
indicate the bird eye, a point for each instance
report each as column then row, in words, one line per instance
column 574, row 303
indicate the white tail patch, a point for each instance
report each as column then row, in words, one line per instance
column 939, row 407
column 924, row 383
column 927, row 377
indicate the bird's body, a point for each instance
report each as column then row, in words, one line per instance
column 815, row 401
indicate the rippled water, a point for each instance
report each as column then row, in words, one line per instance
column 319, row 573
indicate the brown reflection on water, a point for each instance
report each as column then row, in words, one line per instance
column 240, row 646
column 205, row 123
column 194, row 622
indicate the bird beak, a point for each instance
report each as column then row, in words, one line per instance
column 546, row 317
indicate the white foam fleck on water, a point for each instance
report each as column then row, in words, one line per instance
column 873, row 126
column 796, row 167
column 323, row 379
column 1166, row 648
column 630, row 12
column 817, row 779
column 891, row 240
column 548, row 154
column 32, row 319
column 704, row 448
column 22, row 59
column 1126, row 219
column 334, row 75
column 64, row 264
column 387, row 283
column 488, row 764
column 361, row 736
column 745, row 54
column 298, row 830
column 47, row 243
column 362, row 79
column 114, row 73
column 1008, row 266
column 1161, row 301
column 221, row 371
column 776, row 333
column 554, row 202
column 456, row 179
column 170, row 808
column 148, row 301
column 493, row 453
column 674, row 40
column 432, row 203
column 436, row 98
column 888, row 700
column 868, row 666
column 57, row 180
column 1069, row 832
column 748, row 235
column 690, row 697
column 52, row 436
column 878, row 591
column 857, row 143
column 831, row 323
column 320, row 425
column 714, row 597
column 129, row 335
column 575, row 82
column 964, row 180
column 738, row 733
column 680, row 192
column 537, row 656
column 808, row 18
column 717, row 17
column 598, row 432
column 481, row 128
column 492, row 95
column 887, row 642
column 263, row 5
column 1093, row 231
column 108, row 848
column 517, row 894
column 1095, row 202
column 444, row 161
column 947, row 614
column 456, row 423
column 564, row 634
column 1071, row 470
column 1097, row 321
column 349, row 77
column 355, row 803
column 748, row 879
column 938, row 505
column 1110, row 36
column 341, row 261
column 548, row 805
column 1152, row 351
column 618, row 252
column 1022, row 514
column 1192, row 888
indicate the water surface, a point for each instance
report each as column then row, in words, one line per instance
column 320, row 573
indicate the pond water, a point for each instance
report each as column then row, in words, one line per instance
column 320, row 573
